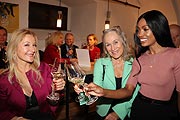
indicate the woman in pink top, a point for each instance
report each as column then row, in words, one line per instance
column 94, row 51
column 156, row 68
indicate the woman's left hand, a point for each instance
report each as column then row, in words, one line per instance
column 59, row 84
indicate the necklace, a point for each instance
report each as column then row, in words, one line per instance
column 152, row 60
column 153, row 57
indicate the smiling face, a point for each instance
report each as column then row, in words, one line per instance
column 113, row 44
column 26, row 49
column 69, row 39
column 145, row 34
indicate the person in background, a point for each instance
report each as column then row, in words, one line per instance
column 175, row 34
column 3, row 44
column 26, row 83
column 156, row 68
column 53, row 50
column 94, row 51
column 111, row 72
column 68, row 51
column 68, row 48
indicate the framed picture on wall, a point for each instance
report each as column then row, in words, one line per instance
column 9, row 16
column 44, row 16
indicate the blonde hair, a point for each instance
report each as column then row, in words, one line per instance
column 53, row 38
column 16, row 38
column 94, row 37
column 127, row 53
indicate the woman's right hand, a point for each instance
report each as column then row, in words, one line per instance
column 77, row 89
column 95, row 90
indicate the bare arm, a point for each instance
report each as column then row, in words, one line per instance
column 96, row 90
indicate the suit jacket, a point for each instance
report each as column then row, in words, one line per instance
column 12, row 98
column 64, row 51
column 109, row 82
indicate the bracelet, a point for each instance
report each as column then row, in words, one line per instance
column 18, row 118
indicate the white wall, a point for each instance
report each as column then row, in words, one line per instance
column 90, row 18
column 176, row 5
column 23, row 18
column 83, row 22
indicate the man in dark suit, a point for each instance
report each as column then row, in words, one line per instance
column 68, row 49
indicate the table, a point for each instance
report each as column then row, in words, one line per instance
column 88, row 70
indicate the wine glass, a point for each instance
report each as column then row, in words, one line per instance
column 77, row 76
column 57, row 73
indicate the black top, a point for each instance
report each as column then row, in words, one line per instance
column 116, row 101
column 31, row 106
column 33, row 111
column 118, row 86
column 31, row 101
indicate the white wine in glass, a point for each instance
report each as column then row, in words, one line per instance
column 77, row 76
column 57, row 73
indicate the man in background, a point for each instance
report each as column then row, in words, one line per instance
column 175, row 34
column 68, row 49
column 3, row 44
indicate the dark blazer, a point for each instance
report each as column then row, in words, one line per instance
column 64, row 51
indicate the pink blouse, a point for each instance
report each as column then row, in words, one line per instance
column 160, row 74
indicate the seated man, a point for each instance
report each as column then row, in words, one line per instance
column 68, row 49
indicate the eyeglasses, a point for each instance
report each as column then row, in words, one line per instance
column 114, row 28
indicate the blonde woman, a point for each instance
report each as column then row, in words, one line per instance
column 112, row 72
column 25, row 84
column 53, row 44
column 94, row 51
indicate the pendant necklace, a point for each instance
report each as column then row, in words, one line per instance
column 152, row 60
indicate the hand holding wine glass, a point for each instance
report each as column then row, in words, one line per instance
column 77, row 76
column 94, row 89
column 58, row 83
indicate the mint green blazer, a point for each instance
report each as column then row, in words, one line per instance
column 103, row 104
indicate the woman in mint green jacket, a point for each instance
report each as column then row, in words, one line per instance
column 111, row 72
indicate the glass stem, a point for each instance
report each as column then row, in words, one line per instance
column 53, row 91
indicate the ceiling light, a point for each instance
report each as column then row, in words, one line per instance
column 59, row 20
column 108, row 14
